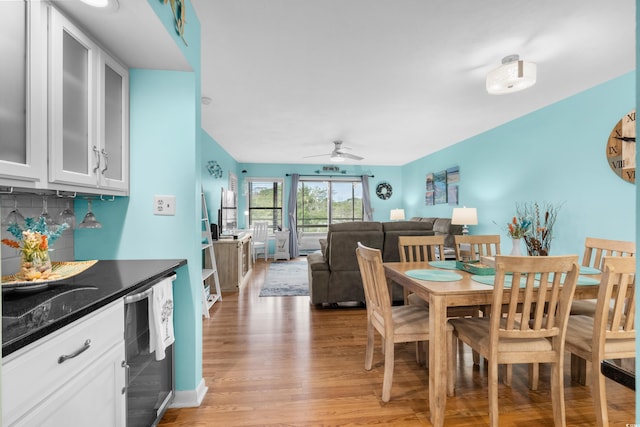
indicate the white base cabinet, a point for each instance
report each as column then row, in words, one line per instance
column 86, row 388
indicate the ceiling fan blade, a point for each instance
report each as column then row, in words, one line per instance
column 351, row 156
column 317, row 155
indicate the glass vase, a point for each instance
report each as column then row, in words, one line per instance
column 516, row 249
column 37, row 266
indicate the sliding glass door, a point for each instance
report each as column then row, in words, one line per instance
column 324, row 202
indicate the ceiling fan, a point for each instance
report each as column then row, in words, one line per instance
column 338, row 154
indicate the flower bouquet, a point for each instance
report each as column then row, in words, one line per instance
column 543, row 218
column 518, row 228
column 33, row 242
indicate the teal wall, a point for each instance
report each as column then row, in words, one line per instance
column 211, row 185
column 557, row 155
column 165, row 149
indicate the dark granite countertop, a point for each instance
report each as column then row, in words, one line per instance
column 27, row 317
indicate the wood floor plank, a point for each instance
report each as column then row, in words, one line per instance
column 279, row 361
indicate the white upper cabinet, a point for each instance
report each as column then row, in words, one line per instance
column 88, row 112
column 113, row 124
column 23, row 114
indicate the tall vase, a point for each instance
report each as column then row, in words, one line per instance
column 516, row 248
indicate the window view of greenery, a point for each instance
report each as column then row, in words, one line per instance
column 321, row 203
column 265, row 203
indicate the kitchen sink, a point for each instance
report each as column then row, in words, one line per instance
column 22, row 313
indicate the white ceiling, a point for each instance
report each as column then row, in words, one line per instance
column 394, row 79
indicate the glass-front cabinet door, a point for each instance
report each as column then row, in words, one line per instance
column 23, row 141
column 89, row 115
column 113, row 124
column 73, row 147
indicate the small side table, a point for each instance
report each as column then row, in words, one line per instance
column 282, row 245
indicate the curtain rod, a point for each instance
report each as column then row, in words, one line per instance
column 332, row 176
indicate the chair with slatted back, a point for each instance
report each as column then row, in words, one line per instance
column 419, row 249
column 396, row 324
column 595, row 251
column 259, row 242
column 610, row 334
column 474, row 247
column 542, row 296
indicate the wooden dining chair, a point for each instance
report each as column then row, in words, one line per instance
column 531, row 329
column 396, row 324
column 595, row 251
column 610, row 334
column 424, row 249
column 419, row 249
column 474, row 247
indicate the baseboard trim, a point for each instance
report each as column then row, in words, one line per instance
column 190, row 398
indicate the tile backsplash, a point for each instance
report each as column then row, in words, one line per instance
column 31, row 206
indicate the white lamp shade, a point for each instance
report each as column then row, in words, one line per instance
column 512, row 76
column 397, row 214
column 464, row 216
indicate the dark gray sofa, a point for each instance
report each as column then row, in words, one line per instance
column 334, row 275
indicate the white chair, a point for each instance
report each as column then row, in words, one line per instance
column 259, row 240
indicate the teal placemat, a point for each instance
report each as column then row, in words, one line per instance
column 449, row 265
column 489, row 280
column 589, row 270
column 434, row 275
column 582, row 280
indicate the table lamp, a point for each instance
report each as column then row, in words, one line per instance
column 397, row 214
column 464, row 216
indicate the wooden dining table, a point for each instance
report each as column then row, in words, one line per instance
column 440, row 295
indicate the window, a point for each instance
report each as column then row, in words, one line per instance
column 265, row 201
column 324, row 202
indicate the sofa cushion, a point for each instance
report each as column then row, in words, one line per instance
column 392, row 230
column 423, row 219
column 342, row 241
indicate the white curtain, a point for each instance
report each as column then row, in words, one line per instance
column 366, row 199
column 293, row 225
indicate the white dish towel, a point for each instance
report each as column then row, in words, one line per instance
column 161, row 317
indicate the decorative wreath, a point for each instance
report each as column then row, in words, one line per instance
column 384, row 190
column 214, row 169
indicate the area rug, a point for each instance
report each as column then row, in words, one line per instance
column 286, row 279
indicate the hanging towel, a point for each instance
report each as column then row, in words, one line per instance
column 161, row 317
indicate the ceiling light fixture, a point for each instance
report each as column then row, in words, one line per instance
column 513, row 75
column 102, row 4
column 337, row 158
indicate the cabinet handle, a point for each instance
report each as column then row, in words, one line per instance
column 106, row 161
column 126, row 370
column 82, row 349
column 97, row 153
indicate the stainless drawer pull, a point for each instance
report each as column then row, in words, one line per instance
column 84, row 348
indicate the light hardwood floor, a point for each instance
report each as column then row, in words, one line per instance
column 278, row 361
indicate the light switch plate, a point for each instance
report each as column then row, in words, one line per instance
column 164, row 205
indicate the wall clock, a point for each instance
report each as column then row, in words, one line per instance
column 621, row 147
column 384, row 190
